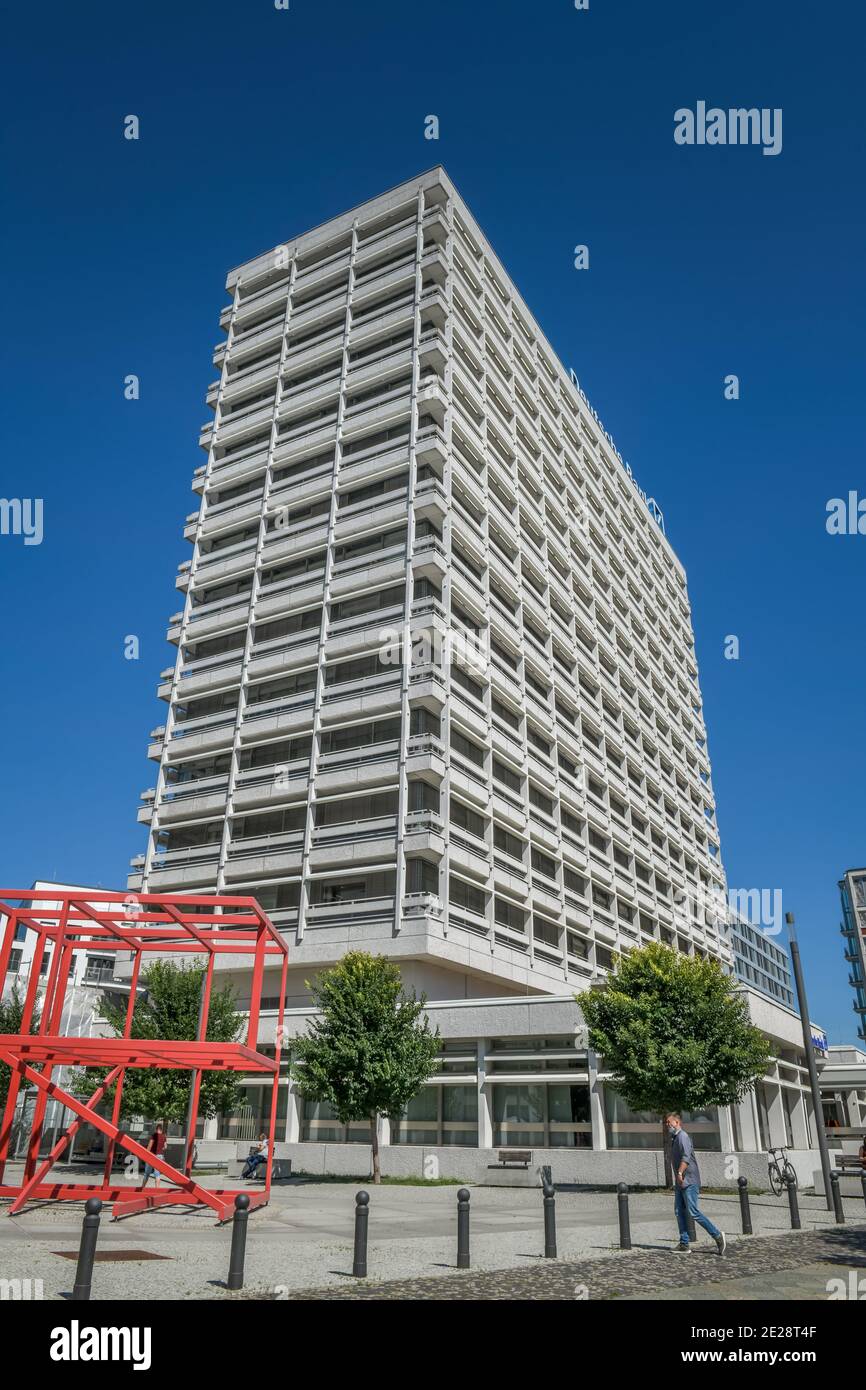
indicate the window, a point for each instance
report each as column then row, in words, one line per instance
column 541, row 1115
column 543, row 863
column 466, row 819
column 504, row 774
column 308, row 621
column 508, row 843
column 368, row 545
column 296, row 684
column 443, row 1115
column 459, row 676
column 504, row 713
column 358, row 668
column 360, row 735
column 423, row 797
column 422, row 877
column 574, row 883
column 467, row 749
column 508, row 914
column 344, row 810
column 540, row 801
column 465, row 895
column 267, row 754
column 368, row 603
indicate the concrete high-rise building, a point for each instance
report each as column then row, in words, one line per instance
column 853, row 890
column 435, row 693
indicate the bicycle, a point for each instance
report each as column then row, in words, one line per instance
column 781, row 1171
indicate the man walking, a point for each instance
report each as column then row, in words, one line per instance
column 687, row 1185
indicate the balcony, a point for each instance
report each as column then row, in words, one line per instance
column 429, row 559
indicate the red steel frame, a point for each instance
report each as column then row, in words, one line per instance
column 135, row 923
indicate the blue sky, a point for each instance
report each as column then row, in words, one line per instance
column 557, row 126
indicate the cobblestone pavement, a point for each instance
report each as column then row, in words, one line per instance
column 637, row 1274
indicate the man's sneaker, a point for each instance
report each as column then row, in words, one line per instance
column 721, row 1243
column 682, row 1249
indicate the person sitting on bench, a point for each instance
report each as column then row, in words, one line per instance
column 257, row 1156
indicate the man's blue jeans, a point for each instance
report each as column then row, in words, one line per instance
column 686, row 1198
column 252, row 1165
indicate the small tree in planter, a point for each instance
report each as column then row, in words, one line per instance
column 675, row 1034
column 371, row 1050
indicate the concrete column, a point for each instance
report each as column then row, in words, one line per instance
column 485, row 1098
column 726, row 1130
column 778, row 1130
column 210, row 1128
column 854, row 1118
column 799, row 1126
column 293, row 1116
column 596, row 1104
column 747, row 1122
column 384, row 1132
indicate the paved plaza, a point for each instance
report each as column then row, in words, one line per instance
column 300, row 1246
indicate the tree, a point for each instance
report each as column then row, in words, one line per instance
column 370, row 1051
column 11, row 1018
column 169, row 1008
column 675, row 1033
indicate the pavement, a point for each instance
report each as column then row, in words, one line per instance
column 300, row 1246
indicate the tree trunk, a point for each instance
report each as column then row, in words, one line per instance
column 374, row 1142
column 667, row 1143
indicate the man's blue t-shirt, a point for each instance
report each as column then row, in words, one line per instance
column 682, row 1148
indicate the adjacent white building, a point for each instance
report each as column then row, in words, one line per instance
column 435, row 692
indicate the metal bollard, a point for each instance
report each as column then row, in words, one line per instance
column 549, row 1221
column 239, row 1242
column 624, row 1225
column 362, row 1219
column 87, row 1250
column 463, row 1228
column 745, row 1212
column 837, row 1199
column 793, row 1203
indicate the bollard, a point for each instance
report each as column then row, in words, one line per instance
column 624, row 1226
column 549, row 1221
column 463, row 1228
column 745, row 1213
column 87, row 1250
column 837, row 1199
column 793, row 1203
column 362, row 1218
column 239, row 1242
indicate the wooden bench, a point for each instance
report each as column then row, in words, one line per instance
column 849, row 1163
column 515, row 1158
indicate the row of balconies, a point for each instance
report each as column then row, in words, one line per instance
column 645, row 577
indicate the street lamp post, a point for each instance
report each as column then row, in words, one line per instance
column 823, row 1146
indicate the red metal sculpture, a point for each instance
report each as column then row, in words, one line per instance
column 67, row 921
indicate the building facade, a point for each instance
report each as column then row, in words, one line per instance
column 759, row 962
column 435, row 693
column 853, row 891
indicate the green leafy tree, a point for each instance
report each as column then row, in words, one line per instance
column 675, row 1034
column 371, row 1050
column 11, row 1019
column 169, row 1008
